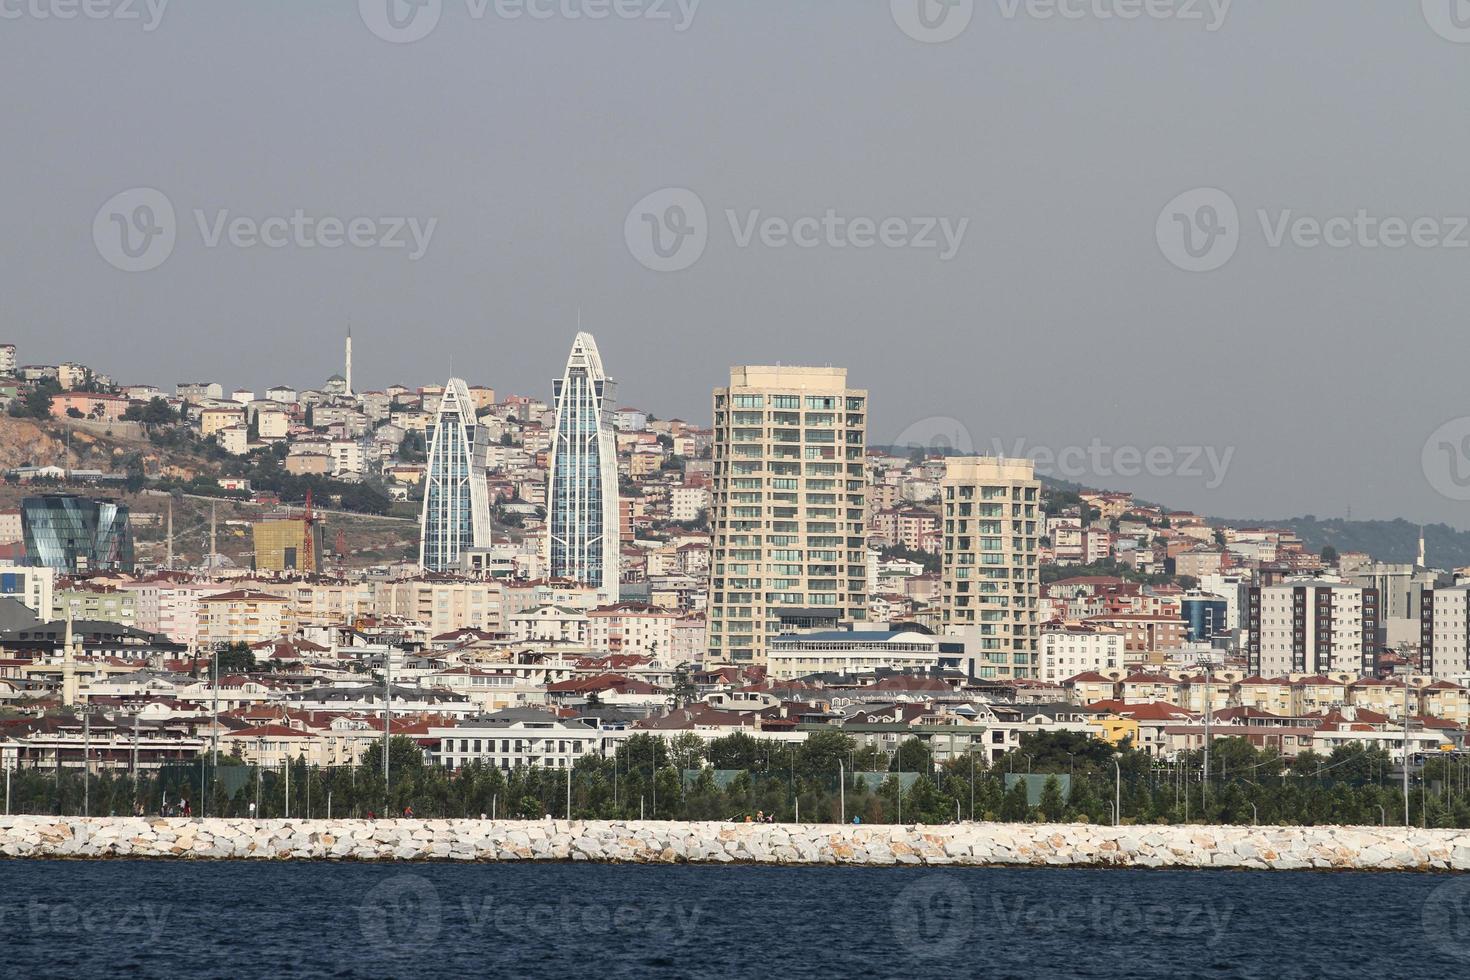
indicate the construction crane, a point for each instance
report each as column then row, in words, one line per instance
column 308, row 560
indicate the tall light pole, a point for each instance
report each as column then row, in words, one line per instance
column 1406, row 748
column 1117, row 792
column 842, row 792
column 387, row 716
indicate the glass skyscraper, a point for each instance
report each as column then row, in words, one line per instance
column 582, row 493
column 456, row 513
column 76, row 534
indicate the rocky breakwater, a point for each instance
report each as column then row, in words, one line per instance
column 658, row 842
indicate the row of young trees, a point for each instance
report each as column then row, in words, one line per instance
column 687, row 778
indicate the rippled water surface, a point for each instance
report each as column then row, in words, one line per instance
column 238, row 920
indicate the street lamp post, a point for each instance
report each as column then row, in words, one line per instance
column 842, row 792
column 1117, row 792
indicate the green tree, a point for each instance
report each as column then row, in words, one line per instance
column 1052, row 804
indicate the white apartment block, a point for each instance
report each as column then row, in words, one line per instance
column 685, row 503
column 171, row 608
column 444, row 606
column 7, row 360
column 1072, row 649
column 633, row 628
column 517, row 738
column 1311, row 627
column 1444, row 624
column 859, row 652
column 991, row 590
column 788, row 510
column 31, row 587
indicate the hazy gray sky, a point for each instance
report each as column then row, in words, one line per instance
column 1062, row 319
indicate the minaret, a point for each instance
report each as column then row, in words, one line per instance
column 348, row 373
column 69, row 686
column 1422, row 562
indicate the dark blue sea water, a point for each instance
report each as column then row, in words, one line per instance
column 237, row 920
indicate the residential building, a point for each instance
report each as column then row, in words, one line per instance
column 788, row 513
column 990, row 578
column 582, row 487
column 244, row 616
column 516, row 738
column 1070, row 649
column 1444, row 622
column 851, row 652
column 1311, row 626
column 30, row 586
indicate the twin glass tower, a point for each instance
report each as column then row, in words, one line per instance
column 582, row 521
column 456, row 515
column 582, row 539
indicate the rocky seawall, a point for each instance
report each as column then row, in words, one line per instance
column 659, row 842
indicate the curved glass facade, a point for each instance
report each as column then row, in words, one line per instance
column 456, row 513
column 582, row 495
column 76, row 534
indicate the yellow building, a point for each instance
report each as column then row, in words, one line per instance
column 244, row 617
column 280, row 545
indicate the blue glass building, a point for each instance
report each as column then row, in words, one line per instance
column 456, row 515
column 582, row 492
column 76, row 534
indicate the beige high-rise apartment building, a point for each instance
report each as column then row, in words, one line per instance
column 991, row 582
column 787, row 512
